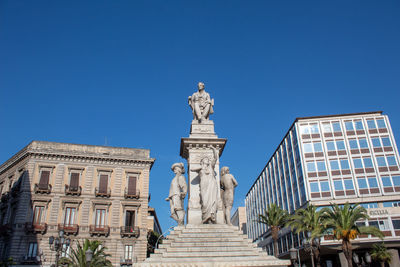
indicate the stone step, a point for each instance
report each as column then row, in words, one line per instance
column 212, row 249
column 217, row 259
column 207, row 235
column 211, row 254
column 210, row 239
column 210, row 244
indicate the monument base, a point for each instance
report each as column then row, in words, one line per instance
column 210, row 245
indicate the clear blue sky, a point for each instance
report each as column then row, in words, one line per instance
column 83, row 71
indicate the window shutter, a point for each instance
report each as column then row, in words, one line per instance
column 74, row 183
column 103, row 183
column 44, row 179
column 132, row 185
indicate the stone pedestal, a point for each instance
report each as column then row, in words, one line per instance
column 194, row 149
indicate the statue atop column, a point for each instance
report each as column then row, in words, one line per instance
column 201, row 104
column 228, row 184
column 177, row 193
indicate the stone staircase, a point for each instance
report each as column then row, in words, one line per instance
column 209, row 245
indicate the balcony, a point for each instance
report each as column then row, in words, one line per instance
column 36, row 228
column 131, row 193
column 99, row 230
column 127, row 262
column 69, row 229
column 102, row 193
column 73, row 190
column 130, row 231
column 42, row 188
column 30, row 260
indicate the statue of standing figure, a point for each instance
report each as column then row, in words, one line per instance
column 208, row 188
column 201, row 104
column 177, row 193
column 228, row 184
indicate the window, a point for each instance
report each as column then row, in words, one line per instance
column 325, row 186
column 69, row 219
column 349, row 125
column 311, row 167
column 38, row 215
column 396, row 224
column 348, row 184
column 363, row 143
column 386, row 161
column 371, row 124
column 334, row 165
column 381, row 123
column 376, row 142
column 359, row 125
column 338, row 185
column 336, row 127
column 396, row 180
column 386, row 181
column 389, row 204
column 362, row 183
column 132, row 185
column 335, row 145
column 128, row 252
column 372, row 182
column 362, row 163
column 32, row 250
column 312, row 147
column 321, row 166
column 353, row 144
column 386, row 142
column 130, row 218
column 369, row 205
column 314, row 128
column 367, row 162
column 326, row 127
column 103, row 183
column 330, row 146
column 340, row 145
column 44, row 179
column 314, row 187
column 74, row 181
column 100, row 217
column 344, row 164
column 357, row 163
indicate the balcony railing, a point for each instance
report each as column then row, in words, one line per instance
column 35, row 227
column 101, row 193
column 132, row 194
column 99, row 230
column 30, row 260
column 130, row 231
column 127, row 262
column 69, row 229
column 42, row 188
column 73, row 190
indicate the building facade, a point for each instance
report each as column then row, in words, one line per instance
column 331, row 159
column 239, row 219
column 93, row 192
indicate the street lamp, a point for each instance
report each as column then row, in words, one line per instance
column 57, row 244
column 294, row 256
column 366, row 261
column 89, row 256
column 310, row 244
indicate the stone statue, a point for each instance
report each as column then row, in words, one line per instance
column 177, row 193
column 201, row 104
column 228, row 184
column 208, row 188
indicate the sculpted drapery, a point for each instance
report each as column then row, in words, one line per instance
column 208, row 188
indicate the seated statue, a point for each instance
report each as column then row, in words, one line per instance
column 201, row 104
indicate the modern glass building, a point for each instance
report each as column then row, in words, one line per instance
column 331, row 159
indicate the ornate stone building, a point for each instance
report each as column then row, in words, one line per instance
column 94, row 192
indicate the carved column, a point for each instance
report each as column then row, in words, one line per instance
column 193, row 149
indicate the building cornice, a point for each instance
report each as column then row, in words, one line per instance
column 32, row 150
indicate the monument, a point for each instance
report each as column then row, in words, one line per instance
column 208, row 238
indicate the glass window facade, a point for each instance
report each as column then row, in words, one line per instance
column 327, row 158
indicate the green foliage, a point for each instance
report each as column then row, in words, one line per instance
column 77, row 257
column 307, row 220
column 6, row 263
column 152, row 238
column 342, row 219
column 274, row 216
column 380, row 253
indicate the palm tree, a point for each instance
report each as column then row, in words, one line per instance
column 77, row 256
column 380, row 253
column 342, row 219
column 275, row 217
column 309, row 220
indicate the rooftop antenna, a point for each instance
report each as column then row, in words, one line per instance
column 105, row 140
